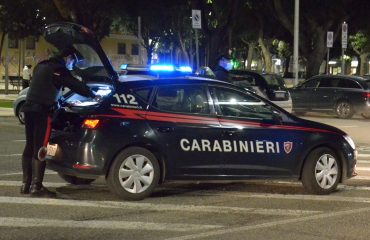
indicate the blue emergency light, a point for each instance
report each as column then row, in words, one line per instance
column 170, row 68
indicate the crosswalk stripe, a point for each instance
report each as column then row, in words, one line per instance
column 153, row 207
column 99, row 224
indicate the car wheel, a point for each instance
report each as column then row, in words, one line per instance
column 344, row 109
column 365, row 115
column 20, row 114
column 321, row 171
column 134, row 174
column 75, row 180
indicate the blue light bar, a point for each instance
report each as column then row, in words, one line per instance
column 165, row 68
column 185, row 69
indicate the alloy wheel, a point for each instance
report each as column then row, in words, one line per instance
column 326, row 171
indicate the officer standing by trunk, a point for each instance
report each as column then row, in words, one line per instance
column 49, row 77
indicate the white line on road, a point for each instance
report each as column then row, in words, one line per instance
column 234, row 230
column 20, row 173
column 99, row 224
column 11, row 155
column 20, row 140
column 362, row 168
column 154, row 207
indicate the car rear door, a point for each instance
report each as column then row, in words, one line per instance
column 185, row 125
column 302, row 95
column 324, row 96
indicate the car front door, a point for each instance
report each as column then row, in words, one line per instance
column 185, row 125
column 254, row 140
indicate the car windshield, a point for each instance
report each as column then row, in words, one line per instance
column 88, row 62
column 274, row 81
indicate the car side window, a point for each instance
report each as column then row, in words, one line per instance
column 183, row 99
column 310, row 83
column 233, row 103
column 347, row 83
column 143, row 93
column 329, row 82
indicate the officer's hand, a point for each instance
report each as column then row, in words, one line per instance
column 98, row 98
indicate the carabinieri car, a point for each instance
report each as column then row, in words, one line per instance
column 151, row 129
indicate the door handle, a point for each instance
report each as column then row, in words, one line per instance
column 231, row 132
column 165, row 129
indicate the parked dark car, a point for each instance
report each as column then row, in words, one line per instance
column 268, row 85
column 342, row 95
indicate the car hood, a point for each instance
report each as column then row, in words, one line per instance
column 91, row 57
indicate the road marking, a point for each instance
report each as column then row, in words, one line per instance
column 363, row 155
column 99, row 224
column 11, row 155
column 234, row 230
column 19, row 140
column 155, row 207
column 362, row 168
column 349, row 126
column 47, row 172
column 292, row 196
column 19, row 183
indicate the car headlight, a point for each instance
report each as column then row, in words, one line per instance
column 350, row 141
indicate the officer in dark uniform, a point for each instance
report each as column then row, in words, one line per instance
column 224, row 65
column 49, row 77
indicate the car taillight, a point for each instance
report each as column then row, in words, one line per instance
column 366, row 94
column 90, row 123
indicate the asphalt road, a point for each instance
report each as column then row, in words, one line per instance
column 186, row 210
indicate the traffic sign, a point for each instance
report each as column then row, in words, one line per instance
column 196, row 19
column 329, row 39
column 344, row 34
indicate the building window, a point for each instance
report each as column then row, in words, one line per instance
column 135, row 49
column 30, row 43
column 13, row 42
column 121, row 48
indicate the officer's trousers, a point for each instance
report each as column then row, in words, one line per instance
column 38, row 129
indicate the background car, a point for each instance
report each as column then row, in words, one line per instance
column 268, row 85
column 342, row 95
column 17, row 104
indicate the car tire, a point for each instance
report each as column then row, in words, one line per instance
column 344, row 109
column 134, row 174
column 20, row 114
column 322, row 171
column 365, row 115
column 75, row 180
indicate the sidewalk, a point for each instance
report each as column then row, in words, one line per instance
column 7, row 112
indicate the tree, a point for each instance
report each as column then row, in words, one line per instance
column 360, row 44
column 97, row 15
column 317, row 18
column 20, row 19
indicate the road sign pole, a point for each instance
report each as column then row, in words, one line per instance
column 197, row 47
column 327, row 61
column 344, row 44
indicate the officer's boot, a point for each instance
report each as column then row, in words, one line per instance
column 27, row 174
column 37, row 189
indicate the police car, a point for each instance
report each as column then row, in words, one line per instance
column 164, row 127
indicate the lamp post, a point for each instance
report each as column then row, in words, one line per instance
column 296, row 41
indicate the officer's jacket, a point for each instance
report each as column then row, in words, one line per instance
column 49, row 77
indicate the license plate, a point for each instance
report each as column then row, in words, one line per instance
column 280, row 94
column 51, row 149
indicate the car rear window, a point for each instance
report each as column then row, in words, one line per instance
column 184, row 99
